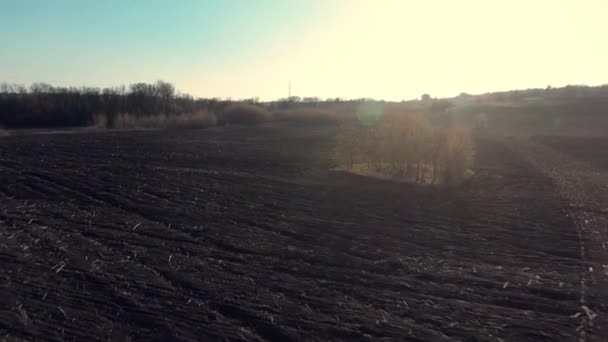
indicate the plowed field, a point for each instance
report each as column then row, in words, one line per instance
column 247, row 234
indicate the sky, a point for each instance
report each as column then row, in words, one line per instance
column 384, row 49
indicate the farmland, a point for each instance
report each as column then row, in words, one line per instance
column 244, row 233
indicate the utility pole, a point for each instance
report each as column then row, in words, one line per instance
column 289, row 90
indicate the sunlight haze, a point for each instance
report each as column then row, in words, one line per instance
column 239, row 49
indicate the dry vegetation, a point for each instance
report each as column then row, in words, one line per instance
column 406, row 146
column 200, row 119
column 242, row 113
column 100, row 121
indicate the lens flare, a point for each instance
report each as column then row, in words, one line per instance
column 369, row 114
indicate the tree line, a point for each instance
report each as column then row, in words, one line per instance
column 45, row 105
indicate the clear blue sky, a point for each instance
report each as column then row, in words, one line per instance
column 390, row 49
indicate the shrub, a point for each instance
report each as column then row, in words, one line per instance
column 247, row 114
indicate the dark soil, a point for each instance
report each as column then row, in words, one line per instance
column 593, row 150
column 245, row 234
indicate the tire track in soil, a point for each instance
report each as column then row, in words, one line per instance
column 585, row 189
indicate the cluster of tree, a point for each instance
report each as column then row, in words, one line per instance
column 43, row 105
column 407, row 146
